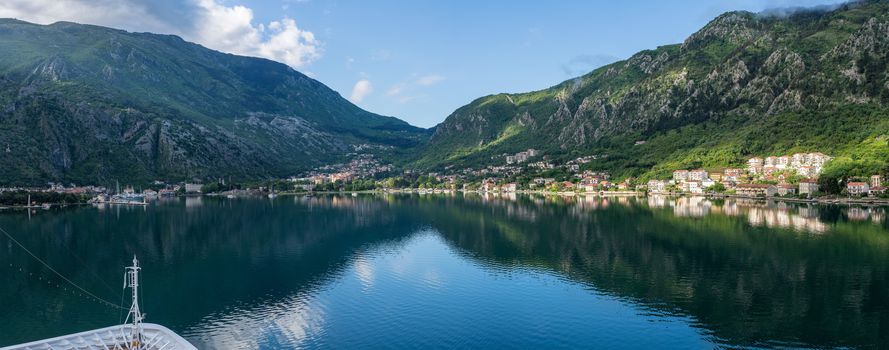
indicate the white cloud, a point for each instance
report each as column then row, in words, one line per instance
column 395, row 90
column 361, row 89
column 428, row 80
column 101, row 12
column 406, row 99
column 410, row 90
column 206, row 22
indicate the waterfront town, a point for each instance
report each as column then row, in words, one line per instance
column 793, row 176
column 789, row 176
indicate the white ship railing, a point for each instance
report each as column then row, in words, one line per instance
column 154, row 336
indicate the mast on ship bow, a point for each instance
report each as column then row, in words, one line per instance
column 131, row 280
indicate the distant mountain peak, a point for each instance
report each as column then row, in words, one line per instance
column 744, row 84
column 87, row 104
column 733, row 27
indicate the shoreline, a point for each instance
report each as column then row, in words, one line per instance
column 819, row 200
column 23, row 207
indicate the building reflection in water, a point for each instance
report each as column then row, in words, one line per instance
column 797, row 216
column 192, row 202
column 802, row 217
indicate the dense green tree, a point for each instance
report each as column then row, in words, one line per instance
column 831, row 184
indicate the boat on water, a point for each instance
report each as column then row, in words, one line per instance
column 30, row 204
column 133, row 334
column 128, row 199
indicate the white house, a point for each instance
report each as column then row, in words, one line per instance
column 808, row 187
column 858, row 188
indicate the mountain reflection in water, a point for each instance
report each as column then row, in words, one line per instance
column 409, row 271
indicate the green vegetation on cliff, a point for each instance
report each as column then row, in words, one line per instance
column 744, row 85
column 90, row 104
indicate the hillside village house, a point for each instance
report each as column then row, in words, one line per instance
column 858, row 188
column 697, row 175
column 817, row 159
column 522, row 157
column 731, row 174
column 798, row 159
column 510, row 187
column 807, row 171
column 756, row 190
column 540, row 181
column 876, row 185
column 657, row 186
column 808, row 186
column 319, row 179
column 754, row 165
column 589, row 180
column 786, row 189
column 193, row 188
column 783, row 162
column 680, row 176
column 707, row 183
column 774, row 168
column 804, row 164
column 596, row 175
column 342, row 177
column 693, row 187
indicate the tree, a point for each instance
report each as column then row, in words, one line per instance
column 718, row 187
column 830, row 184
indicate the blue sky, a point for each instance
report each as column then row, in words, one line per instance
column 415, row 60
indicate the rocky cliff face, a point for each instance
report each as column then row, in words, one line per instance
column 90, row 104
column 740, row 68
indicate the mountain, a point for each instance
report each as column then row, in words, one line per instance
column 746, row 84
column 90, row 104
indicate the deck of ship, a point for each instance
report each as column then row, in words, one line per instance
column 155, row 337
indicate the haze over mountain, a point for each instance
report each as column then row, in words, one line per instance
column 744, row 85
column 91, row 104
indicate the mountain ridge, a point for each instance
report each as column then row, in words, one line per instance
column 84, row 103
column 672, row 107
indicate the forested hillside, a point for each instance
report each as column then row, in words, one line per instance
column 744, row 85
column 87, row 104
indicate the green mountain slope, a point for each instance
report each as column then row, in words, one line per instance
column 91, row 104
column 745, row 84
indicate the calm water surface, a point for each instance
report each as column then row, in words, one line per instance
column 460, row 272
